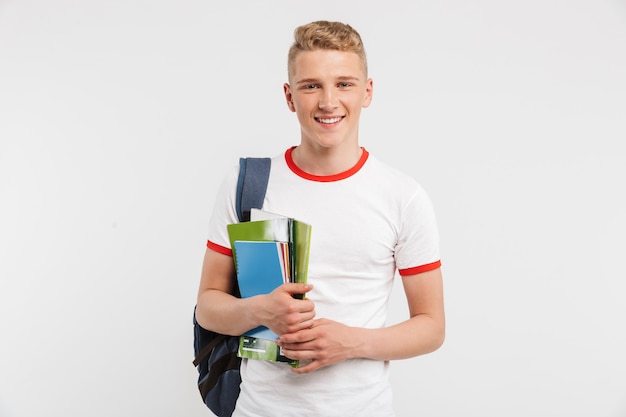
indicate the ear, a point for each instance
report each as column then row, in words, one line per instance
column 289, row 97
column 369, row 91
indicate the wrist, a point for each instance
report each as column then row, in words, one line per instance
column 253, row 311
column 360, row 348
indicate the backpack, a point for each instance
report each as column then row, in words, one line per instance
column 216, row 354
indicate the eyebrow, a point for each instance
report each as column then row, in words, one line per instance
column 315, row 80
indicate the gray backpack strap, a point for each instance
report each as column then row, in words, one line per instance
column 254, row 174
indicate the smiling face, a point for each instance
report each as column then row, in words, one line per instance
column 327, row 91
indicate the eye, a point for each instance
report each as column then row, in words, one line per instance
column 345, row 85
column 310, row 86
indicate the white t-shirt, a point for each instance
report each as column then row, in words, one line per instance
column 367, row 223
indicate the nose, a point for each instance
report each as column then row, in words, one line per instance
column 327, row 101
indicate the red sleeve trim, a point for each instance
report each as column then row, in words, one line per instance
column 419, row 269
column 219, row 248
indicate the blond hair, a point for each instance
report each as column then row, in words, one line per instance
column 323, row 34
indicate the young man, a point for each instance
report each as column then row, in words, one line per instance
column 368, row 219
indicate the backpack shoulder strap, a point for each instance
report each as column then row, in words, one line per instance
column 251, row 186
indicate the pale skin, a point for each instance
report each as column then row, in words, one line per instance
column 327, row 90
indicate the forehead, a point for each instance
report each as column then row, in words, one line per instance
column 325, row 63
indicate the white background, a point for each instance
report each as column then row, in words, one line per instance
column 119, row 118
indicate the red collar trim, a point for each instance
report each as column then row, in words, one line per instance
column 325, row 178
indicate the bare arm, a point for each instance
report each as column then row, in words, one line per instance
column 423, row 332
column 218, row 310
column 328, row 342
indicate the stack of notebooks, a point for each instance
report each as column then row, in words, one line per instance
column 268, row 251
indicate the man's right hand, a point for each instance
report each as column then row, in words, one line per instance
column 283, row 313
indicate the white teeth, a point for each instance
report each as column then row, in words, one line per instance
column 329, row 121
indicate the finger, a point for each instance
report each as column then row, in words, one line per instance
column 298, row 353
column 297, row 338
column 299, row 326
column 295, row 288
column 311, row 366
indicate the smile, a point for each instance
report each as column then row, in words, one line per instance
column 328, row 120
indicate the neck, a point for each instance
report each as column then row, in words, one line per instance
column 325, row 161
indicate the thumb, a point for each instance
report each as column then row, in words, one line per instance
column 295, row 288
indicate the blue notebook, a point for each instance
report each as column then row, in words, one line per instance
column 261, row 267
